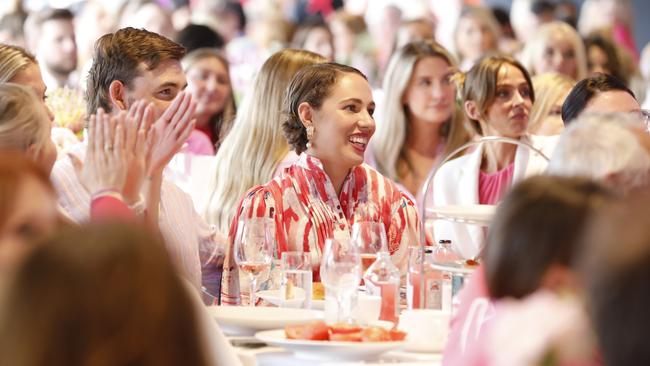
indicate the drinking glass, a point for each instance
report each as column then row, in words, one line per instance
column 296, row 282
column 253, row 248
column 340, row 271
column 370, row 238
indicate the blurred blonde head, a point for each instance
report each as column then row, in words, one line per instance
column 392, row 130
column 13, row 59
column 550, row 91
column 24, row 123
column 255, row 145
column 473, row 21
column 545, row 52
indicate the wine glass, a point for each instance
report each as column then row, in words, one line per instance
column 253, row 248
column 340, row 270
column 370, row 238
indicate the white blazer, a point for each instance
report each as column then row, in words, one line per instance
column 456, row 183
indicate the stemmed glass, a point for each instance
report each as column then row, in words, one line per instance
column 253, row 248
column 340, row 270
column 370, row 238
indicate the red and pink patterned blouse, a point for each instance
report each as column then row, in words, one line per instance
column 307, row 210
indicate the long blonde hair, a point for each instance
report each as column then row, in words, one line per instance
column 534, row 49
column 255, row 145
column 549, row 88
column 389, row 139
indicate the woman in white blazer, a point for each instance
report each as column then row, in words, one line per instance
column 497, row 96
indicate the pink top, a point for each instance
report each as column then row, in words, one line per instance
column 491, row 187
column 198, row 144
column 468, row 325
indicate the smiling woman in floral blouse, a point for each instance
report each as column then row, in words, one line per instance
column 329, row 122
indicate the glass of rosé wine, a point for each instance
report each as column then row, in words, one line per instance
column 370, row 238
column 253, row 248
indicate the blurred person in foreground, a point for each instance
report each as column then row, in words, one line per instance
column 612, row 148
column 617, row 272
column 532, row 248
column 96, row 295
column 134, row 69
column 28, row 209
column 50, row 35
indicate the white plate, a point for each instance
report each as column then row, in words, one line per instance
column 327, row 350
column 470, row 214
column 273, row 298
column 244, row 320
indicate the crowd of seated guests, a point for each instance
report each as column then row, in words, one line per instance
column 303, row 117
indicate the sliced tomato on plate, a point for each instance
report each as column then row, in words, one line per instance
column 315, row 331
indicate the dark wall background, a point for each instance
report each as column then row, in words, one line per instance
column 641, row 14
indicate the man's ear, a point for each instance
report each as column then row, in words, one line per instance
column 472, row 110
column 116, row 92
column 305, row 112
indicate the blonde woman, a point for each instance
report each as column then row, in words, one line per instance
column 556, row 47
column 419, row 121
column 551, row 90
column 208, row 80
column 255, row 150
column 477, row 34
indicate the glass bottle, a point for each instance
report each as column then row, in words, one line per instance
column 437, row 283
column 443, row 254
column 382, row 279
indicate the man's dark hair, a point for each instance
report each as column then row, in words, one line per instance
column 118, row 55
column 195, row 36
column 585, row 90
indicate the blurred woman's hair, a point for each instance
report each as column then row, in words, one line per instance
column 301, row 36
column 549, row 89
column 487, row 19
column 538, row 225
column 393, row 127
column 13, row 59
column 536, row 47
column 99, row 295
column 221, row 123
column 23, row 120
column 608, row 47
column 255, row 145
column 479, row 84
